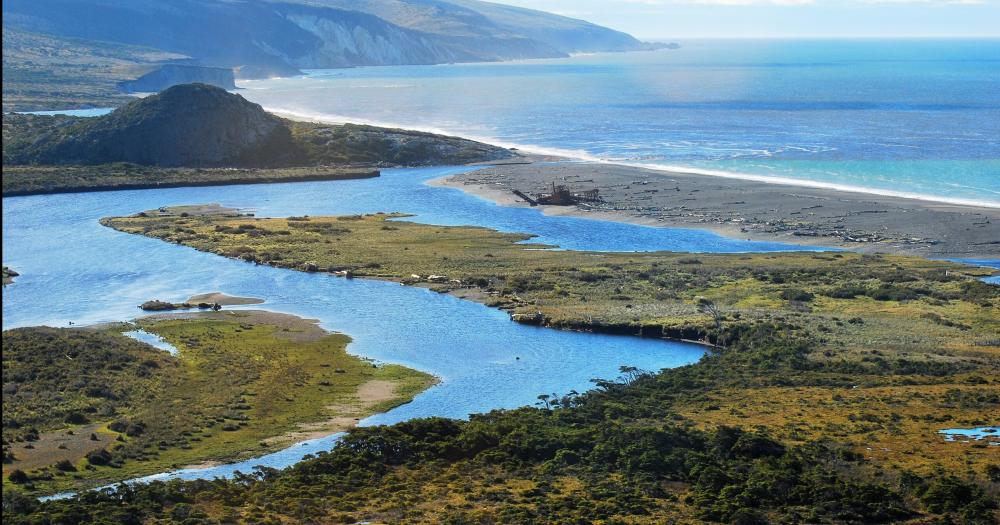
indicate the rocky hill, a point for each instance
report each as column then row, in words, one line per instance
column 199, row 125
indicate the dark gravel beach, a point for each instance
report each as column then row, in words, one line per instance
column 750, row 209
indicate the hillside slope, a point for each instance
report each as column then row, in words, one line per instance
column 197, row 125
column 46, row 72
column 79, row 53
column 322, row 33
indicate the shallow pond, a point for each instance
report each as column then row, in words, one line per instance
column 152, row 340
column 989, row 434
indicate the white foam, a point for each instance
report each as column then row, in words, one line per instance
column 581, row 155
column 768, row 179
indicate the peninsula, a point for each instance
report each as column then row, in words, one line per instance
column 201, row 135
column 747, row 209
column 85, row 407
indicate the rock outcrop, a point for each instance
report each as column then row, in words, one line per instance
column 170, row 75
column 197, row 125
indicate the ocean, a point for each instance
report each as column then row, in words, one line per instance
column 917, row 118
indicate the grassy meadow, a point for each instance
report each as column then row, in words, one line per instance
column 85, row 407
column 35, row 180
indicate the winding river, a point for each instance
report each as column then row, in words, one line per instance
column 75, row 271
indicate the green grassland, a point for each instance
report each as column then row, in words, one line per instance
column 839, row 367
column 929, row 310
column 34, row 180
column 85, row 407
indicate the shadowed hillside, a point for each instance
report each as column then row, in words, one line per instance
column 197, row 125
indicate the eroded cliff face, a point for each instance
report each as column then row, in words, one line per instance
column 345, row 43
column 283, row 35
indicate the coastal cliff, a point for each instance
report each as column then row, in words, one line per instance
column 107, row 40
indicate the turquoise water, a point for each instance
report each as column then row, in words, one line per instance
column 909, row 117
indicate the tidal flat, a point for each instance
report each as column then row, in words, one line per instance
column 749, row 209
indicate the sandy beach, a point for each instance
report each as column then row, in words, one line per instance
column 748, row 209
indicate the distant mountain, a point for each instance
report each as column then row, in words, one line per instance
column 196, row 125
column 276, row 35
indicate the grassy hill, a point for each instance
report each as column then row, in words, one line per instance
column 197, row 125
column 42, row 72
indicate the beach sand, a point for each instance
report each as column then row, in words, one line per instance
column 222, row 299
column 745, row 209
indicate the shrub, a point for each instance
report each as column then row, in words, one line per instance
column 18, row 476
column 794, row 294
column 99, row 457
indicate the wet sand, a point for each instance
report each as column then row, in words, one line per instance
column 345, row 416
column 222, row 299
column 749, row 209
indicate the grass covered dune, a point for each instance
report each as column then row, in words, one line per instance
column 820, row 401
column 90, row 406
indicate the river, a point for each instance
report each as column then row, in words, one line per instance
column 75, row 270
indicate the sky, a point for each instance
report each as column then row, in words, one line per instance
column 678, row 19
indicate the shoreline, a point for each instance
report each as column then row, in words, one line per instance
column 554, row 154
column 374, row 394
column 747, row 209
column 810, row 184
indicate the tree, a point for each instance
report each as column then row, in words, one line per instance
column 544, row 398
column 631, row 373
column 707, row 306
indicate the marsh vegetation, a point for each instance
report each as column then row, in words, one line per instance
column 829, row 376
column 84, row 407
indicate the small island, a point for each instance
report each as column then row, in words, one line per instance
column 205, row 301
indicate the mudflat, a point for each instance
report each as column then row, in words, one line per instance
column 749, row 209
